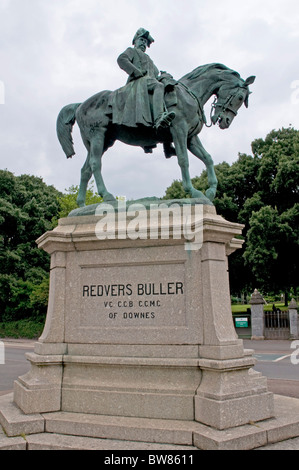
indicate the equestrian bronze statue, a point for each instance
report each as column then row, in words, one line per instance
column 153, row 108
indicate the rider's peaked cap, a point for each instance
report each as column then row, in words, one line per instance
column 143, row 33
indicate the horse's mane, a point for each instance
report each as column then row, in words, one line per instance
column 209, row 68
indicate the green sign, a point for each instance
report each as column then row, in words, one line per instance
column 241, row 322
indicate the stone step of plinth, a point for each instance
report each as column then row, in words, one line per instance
column 51, row 441
column 48, row 441
column 65, row 430
column 121, row 428
column 11, row 443
column 17, row 423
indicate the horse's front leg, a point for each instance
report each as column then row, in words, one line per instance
column 195, row 146
column 179, row 136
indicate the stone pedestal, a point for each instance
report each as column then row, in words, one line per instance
column 143, row 327
column 139, row 342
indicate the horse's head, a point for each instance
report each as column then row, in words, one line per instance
column 230, row 98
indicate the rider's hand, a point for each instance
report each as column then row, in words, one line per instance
column 139, row 74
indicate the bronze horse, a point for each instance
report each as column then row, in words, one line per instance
column 192, row 92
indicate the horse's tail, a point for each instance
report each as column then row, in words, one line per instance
column 64, row 126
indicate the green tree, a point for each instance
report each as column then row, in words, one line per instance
column 272, row 248
column 27, row 206
column 279, row 167
column 68, row 201
column 261, row 192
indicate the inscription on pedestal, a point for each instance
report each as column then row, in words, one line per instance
column 136, row 296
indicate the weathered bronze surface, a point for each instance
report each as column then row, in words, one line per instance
column 153, row 108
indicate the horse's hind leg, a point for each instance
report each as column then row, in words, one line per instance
column 195, row 146
column 86, row 174
column 96, row 153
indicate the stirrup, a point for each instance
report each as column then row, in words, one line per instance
column 165, row 120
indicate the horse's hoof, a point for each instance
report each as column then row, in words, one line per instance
column 195, row 193
column 80, row 203
column 211, row 193
column 109, row 198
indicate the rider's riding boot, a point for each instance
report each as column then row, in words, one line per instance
column 164, row 120
column 169, row 150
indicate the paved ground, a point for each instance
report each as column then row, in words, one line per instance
column 288, row 388
column 15, row 363
column 267, row 352
column 291, row 444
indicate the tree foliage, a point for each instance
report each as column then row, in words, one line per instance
column 261, row 192
column 27, row 206
column 68, row 201
column 273, row 247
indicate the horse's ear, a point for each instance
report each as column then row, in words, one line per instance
column 249, row 80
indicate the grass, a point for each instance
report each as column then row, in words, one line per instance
column 239, row 308
column 30, row 329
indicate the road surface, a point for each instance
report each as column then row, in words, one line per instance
column 15, row 362
column 278, row 360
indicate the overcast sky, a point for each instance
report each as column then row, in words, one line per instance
column 57, row 52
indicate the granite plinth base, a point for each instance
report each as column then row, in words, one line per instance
column 81, row 431
column 141, row 327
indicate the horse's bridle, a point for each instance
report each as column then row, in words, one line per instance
column 225, row 106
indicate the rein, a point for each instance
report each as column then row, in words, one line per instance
column 213, row 106
column 225, row 106
column 203, row 116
